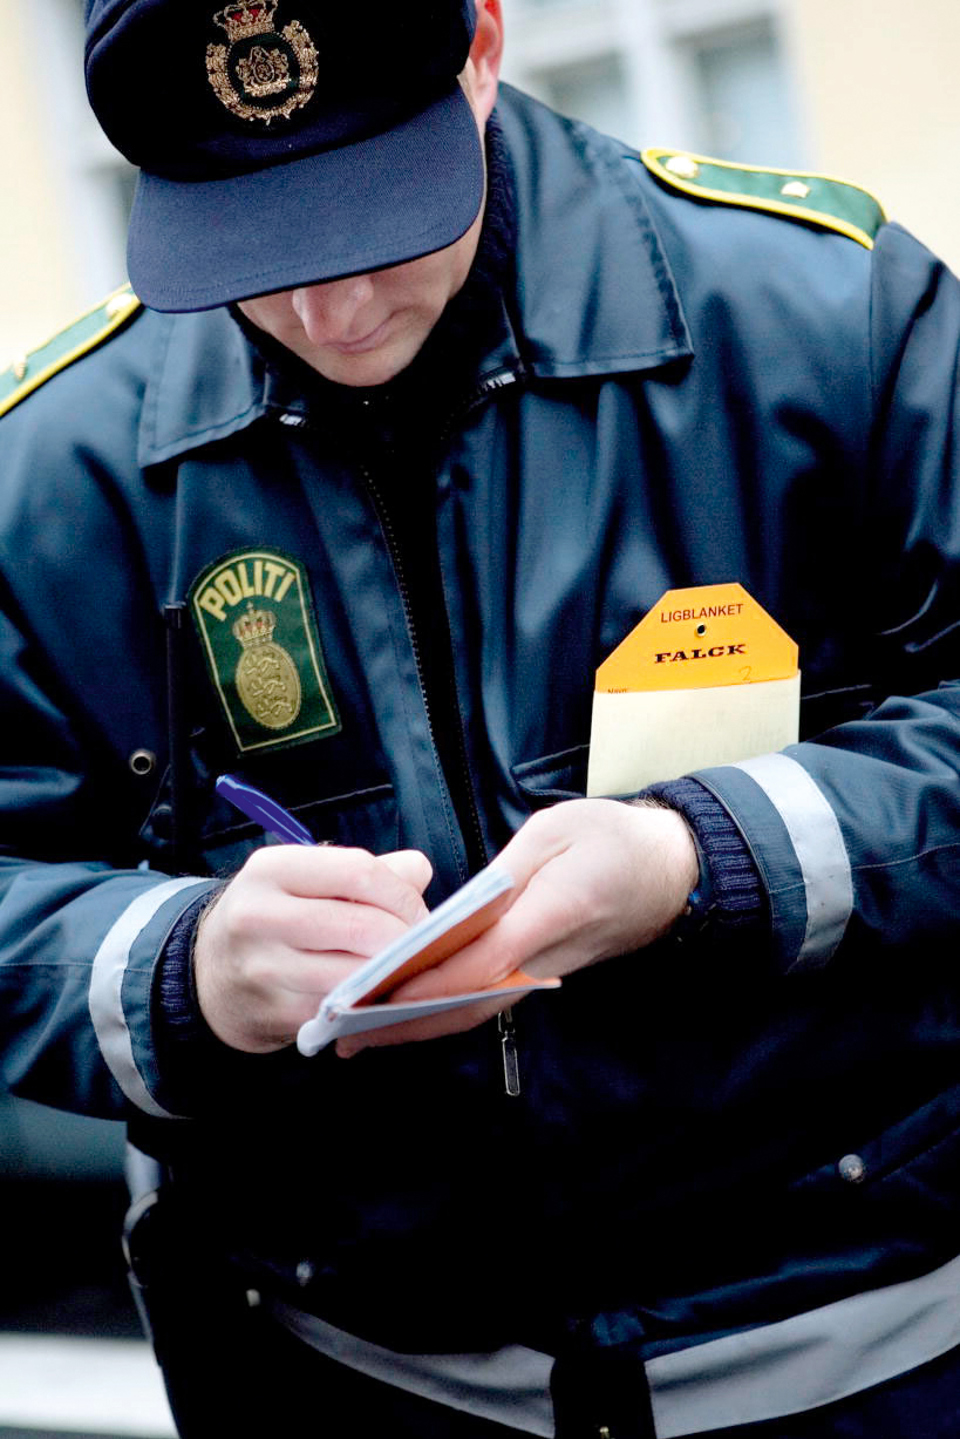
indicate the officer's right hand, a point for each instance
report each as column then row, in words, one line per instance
column 293, row 923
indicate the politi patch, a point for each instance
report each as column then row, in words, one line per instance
column 255, row 619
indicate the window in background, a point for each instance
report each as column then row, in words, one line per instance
column 94, row 180
column 708, row 75
column 744, row 99
column 594, row 90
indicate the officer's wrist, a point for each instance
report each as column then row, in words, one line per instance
column 728, row 898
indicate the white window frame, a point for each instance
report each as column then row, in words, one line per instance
column 657, row 41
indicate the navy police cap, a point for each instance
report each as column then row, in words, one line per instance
column 284, row 142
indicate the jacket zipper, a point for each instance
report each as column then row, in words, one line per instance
column 499, row 380
column 475, row 841
column 489, row 385
column 506, row 1026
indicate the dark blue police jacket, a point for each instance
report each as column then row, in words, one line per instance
column 682, row 392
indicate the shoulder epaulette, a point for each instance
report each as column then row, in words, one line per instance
column 818, row 199
column 37, row 366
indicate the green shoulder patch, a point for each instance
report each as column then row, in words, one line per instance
column 33, row 369
column 818, row 199
column 254, row 616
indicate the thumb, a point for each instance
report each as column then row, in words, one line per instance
column 410, row 865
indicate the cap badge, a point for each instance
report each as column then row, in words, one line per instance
column 263, row 73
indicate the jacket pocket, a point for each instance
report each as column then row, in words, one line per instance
column 365, row 819
column 824, row 711
column 553, row 777
column 904, row 1179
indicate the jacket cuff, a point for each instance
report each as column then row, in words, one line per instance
column 184, row 1042
column 178, row 1016
column 729, row 898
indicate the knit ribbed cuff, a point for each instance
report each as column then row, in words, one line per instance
column 728, row 872
column 188, row 1052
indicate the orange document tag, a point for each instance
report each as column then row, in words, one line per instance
column 705, row 678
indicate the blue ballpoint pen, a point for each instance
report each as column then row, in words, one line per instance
column 263, row 810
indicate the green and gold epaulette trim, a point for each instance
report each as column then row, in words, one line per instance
column 818, row 199
column 37, row 366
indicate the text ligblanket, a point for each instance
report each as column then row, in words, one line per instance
column 354, row 1005
column 705, row 678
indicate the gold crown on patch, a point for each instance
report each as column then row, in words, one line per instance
column 243, row 21
column 256, row 627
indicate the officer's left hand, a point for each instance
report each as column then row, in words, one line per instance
column 594, row 878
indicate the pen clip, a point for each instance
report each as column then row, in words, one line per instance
column 263, row 810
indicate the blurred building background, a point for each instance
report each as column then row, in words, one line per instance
column 863, row 89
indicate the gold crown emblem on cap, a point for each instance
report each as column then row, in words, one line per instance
column 263, row 73
column 239, row 21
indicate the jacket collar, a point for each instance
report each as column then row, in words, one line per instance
column 595, row 291
column 205, row 383
column 595, row 294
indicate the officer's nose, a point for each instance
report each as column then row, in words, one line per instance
column 334, row 311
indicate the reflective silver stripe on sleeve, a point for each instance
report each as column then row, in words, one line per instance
column 818, row 844
column 106, row 1003
column 787, row 1368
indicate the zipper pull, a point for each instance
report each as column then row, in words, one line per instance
column 508, row 1044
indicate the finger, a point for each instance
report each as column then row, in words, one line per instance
column 546, row 932
column 264, row 916
column 331, row 872
column 318, row 925
column 537, row 843
column 410, row 865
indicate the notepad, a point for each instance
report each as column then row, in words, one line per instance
column 362, row 1001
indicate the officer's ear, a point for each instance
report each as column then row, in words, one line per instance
column 482, row 73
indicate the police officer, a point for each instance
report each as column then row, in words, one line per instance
column 422, row 398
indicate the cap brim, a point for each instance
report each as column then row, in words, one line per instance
column 194, row 245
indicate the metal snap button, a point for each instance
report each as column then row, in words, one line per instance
column 852, row 1169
